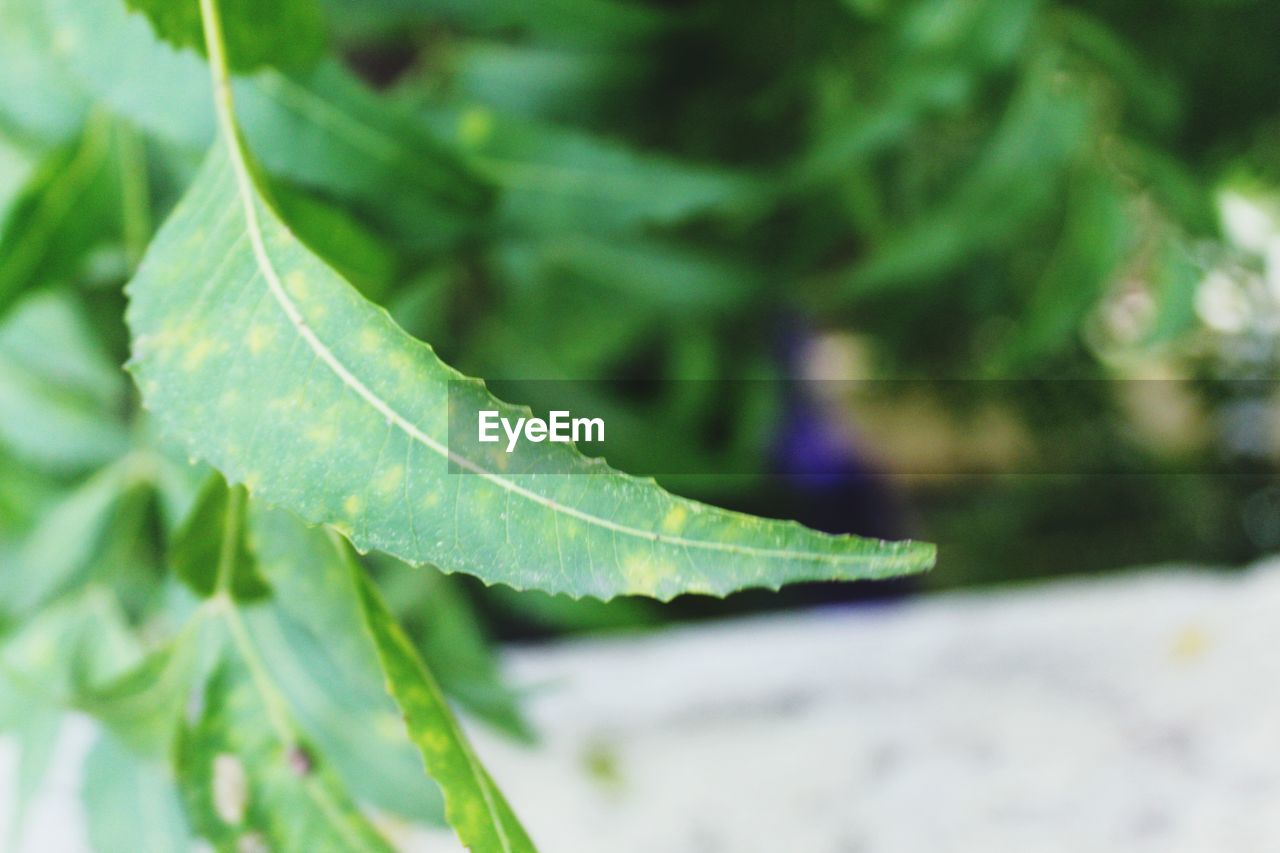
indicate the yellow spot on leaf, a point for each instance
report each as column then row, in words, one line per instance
column 435, row 741
column 644, row 576
column 323, row 435
column 398, row 361
column 296, row 283
column 259, row 338
column 674, row 520
column 389, row 480
column 352, row 505
column 195, row 357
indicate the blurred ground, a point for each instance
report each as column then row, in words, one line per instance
column 1134, row 713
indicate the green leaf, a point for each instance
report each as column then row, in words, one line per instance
column 68, row 391
column 130, row 804
column 282, row 33
column 318, row 127
column 39, row 102
column 282, row 376
column 71, row 204
column 591, row 23
column 144, row 705
column 474, row 806
column 71, row 647
column 556, row 179
column 450, row 635
column 345, row 714
column 32, row 726
column 249, row 782
column 68, row 538
column 327, row 665
column 214, row 533
column 266, row 363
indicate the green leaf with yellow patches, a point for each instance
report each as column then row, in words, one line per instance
column 473, row 804
column 281, row 375
column 274, row 369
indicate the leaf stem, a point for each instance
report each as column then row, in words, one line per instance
column 215, row 46
column 230, row 540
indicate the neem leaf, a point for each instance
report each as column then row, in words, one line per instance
column 129, row 803
column 280, row 374
column 248, row 781
column 282, row 33
column 39, row 103
column 63, row 546
column 213, row 535
column 308, row 579
column 144, row 705
column 346, row 715
column 71, row 204
column 68, row 391
column 318, row 127
column 276, row 371
column 473, row 804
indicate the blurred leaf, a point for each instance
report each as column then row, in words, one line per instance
column 68, row 538
column 59, row 395
column 672, row 277
column 596, row 23
column 309, row 581
column 1177, row 275
column 32, row 726
column 283, row 33
column 358, row 255
column 159, row 89
column 538, row 82
column 39, row 103
column 308, row 576
column 326, row 129
column 346, row 715
column 474, row 806
column 328, row 667
column 72, row 646
column 130, row 804
column 557, row 179
column 70, row 205
column 1042, row 131
column 213, row 536
column 144, row 706
column 247, row 778
column 318, row 127
column 1094, row 241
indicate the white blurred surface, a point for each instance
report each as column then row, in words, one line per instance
column 1136, row 713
